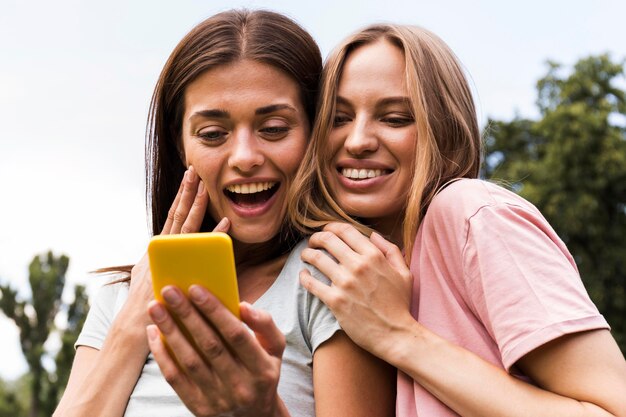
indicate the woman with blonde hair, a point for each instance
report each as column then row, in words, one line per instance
column 229, row 123
column 491, row 317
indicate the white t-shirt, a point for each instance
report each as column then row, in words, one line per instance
column 304, row 320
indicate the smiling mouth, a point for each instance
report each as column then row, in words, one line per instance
column 362, row 174
column 252, row 194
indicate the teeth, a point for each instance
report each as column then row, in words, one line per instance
column 361, row 173
column 255, row 187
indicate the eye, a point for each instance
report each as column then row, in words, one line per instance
column 340, row 119
column 397, row 120
column 274, row 131
column 212, row 135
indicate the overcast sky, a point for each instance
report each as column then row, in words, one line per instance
column 76, row 78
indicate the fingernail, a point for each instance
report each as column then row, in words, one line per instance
column 192, row 173
column 222, row 224
column 251, row 311
column 171, row 295
column 157, row 312
column 152, row 332
column 198, row 294
column 200, row 188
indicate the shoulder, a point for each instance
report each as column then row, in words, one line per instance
column 104, row 307
column 109, row 293
column 108, row 301
column 295, row 262
column 470, row 195
column 461, row 200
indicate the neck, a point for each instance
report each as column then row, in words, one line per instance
column 258, row 265
column 251, row 254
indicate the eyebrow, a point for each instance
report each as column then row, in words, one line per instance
column 394, row 100
column 381, row 103
column 212, row 113
column 223, row 114
column 272, row 108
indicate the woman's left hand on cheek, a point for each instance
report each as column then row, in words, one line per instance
column 371, row 284
column 225, row 368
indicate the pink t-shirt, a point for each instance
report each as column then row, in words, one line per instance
column 492, row 276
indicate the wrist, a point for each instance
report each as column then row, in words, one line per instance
column 404, row 343
column 130, row 325
column 134, row 315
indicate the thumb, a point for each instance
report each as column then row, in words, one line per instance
column 223, row 225
column 261, row 323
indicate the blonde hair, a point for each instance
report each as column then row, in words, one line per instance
column 448, row 144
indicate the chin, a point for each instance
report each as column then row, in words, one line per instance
column 252, row 235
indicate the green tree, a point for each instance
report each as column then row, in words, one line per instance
column 9, row 401
column 571, row 163
column 76, row 315
column 35, row 320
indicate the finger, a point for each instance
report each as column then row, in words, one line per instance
column 223, row 225
column 317, row 288
column 170, row 214
column 323, row 262
column 184, row 352
column 197, row 211
column 208, row 338
column 333, row 244
column 179, row 381
column 161, row 354
column 235, row 335
column 391, row 251
column 186, row 200
column 267, row 333
column 358, row 242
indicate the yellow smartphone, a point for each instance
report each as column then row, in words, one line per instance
column 206, row 259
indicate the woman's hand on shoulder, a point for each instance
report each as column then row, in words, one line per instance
column 371, row 284
column 219, row 366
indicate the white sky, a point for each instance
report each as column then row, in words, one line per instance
column 76, row 79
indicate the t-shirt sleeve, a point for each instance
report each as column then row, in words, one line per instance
column 99, row 318
column 322, row 324
column 522, row 282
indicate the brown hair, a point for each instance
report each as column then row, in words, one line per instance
column 448, row 143
column 227, row 37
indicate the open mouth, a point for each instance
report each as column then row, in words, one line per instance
column 363, row 174
column 252, row 194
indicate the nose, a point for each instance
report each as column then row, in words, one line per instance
column 361, row 139
column 246, row 153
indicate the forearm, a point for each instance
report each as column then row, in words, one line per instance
column 474, row 387
column 111, row 377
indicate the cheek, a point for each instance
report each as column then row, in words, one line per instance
column 405, row 145
column 208, row 166
column 291, row 157
column 333, row 144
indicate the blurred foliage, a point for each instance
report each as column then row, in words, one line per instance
column 571, row 163
column 9, row 402
column 35, row 319
column 14, row 399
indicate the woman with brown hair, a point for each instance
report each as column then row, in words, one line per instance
column 229, row 122
column 491, row 318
